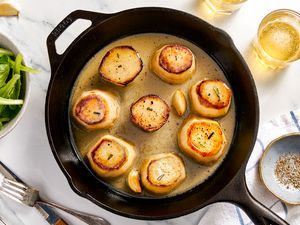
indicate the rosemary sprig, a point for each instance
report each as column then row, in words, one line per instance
column 217, row 92
column 110, row 156
column 160, row 177
column 209, row 137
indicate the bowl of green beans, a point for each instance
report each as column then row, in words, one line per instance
column 14, row 85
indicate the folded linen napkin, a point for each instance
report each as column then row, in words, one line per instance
column 229, row 214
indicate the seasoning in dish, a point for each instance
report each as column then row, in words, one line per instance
column 287, row 170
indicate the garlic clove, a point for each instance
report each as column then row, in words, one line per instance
column 133, row 181
column 179, row 102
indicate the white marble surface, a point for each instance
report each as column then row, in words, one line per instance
column 26, row 150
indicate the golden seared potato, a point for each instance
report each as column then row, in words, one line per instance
column 210, row 98
column 162, row 173
column 133, row 181
column 111, row 156
column 96, row 109
column 173, row 63
column 149, row 113
column 121, row 65
column 179, row 102
column 202, row 139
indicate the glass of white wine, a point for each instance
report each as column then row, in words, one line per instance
column 225, row 7
column 278, row 38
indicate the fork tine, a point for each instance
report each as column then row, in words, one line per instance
column 19, row 192
column 13, row 190
column 15, row 183
column 13, row 193
column 4, row 192
column 13, row 186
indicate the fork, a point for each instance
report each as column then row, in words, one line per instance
column 2, row 222
column 30, row 196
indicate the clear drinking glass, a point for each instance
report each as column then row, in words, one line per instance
column 225, row 7
column 278, row 38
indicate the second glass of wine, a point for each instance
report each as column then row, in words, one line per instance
column 278, row 38
column 225, row 7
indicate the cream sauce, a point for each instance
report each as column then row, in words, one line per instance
column 165, row 139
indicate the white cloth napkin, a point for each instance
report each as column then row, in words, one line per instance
column 228, row 214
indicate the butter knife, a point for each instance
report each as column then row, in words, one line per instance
column 49, row 214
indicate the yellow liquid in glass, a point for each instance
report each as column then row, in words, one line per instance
column 233, row 1
column 280, row 40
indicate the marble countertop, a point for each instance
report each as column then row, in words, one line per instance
column 26, row 150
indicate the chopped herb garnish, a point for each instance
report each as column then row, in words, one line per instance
column 110, row 156
column 118, row 55
column 202, row 145
column 119, row 66
column 209, row 137
column 97, row 113
column 160, row 177
column 176, row 57
column 149, row 108
column 216, row 90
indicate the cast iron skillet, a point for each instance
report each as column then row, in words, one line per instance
column 228, row 182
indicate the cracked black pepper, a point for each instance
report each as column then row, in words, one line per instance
column 287, row 170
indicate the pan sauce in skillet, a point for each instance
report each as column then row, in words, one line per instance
column 165, row 139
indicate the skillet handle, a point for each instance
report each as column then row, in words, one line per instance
column 94, row 17
column 237, row 193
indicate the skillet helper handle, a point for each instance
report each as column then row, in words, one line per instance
column 237, row 193
column 94, row 17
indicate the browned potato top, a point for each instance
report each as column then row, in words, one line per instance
column 150, row 112
column 176, row 58
column 90, row 109
column 214, row 94
column 121, row 65
column 162, row 173
column 205, row 137
column 109, row 155
column 165, row 171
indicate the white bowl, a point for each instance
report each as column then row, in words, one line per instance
column 8, row 127
column 289, row 143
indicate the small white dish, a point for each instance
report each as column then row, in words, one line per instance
column 289, row 143
column 8, row 127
